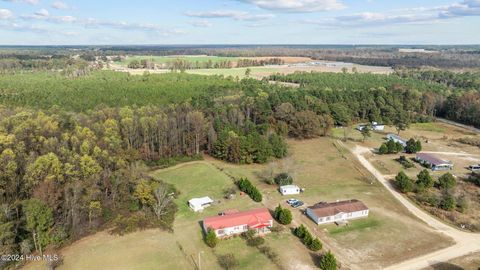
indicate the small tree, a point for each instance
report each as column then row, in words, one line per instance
column 424, row 180
column 211, row 238
column 307, row 239
column 285, row 217
column 462, row 204
column 283, row 179
column 412, row 146
column 403, row 182
column 383, row 150
column 248, row 71
column 366, row 133
column 300, row 231
column 228, row 261
column 328, row 261
column 315, row 245
column 447, row 181
column 448, row 202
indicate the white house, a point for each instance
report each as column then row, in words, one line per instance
column 289, row 190
column 198, row 204
column 375, row 126
column 235, row 223
column 323, row 213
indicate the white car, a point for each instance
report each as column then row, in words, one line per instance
column 292, row 201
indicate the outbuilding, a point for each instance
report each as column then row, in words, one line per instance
column 433, row 162
column 338, row 212
column 198, row 204
column 289, row 190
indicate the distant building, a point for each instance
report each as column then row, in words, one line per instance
column 235, row 223
column 396, row 138
column 375, row 126
column 289, row 190
column 406, row 50
column 434, row 163
column 323, row 213
column 198, row 204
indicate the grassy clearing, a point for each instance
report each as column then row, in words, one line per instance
column 428, row 127
column 356, row 225
column 235, row 72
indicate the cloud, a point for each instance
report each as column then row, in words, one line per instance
column 59, row 5
column 5, row 14
column 419, row 15
column 297, row 6
column 203, row 23
column 236, row 15
column 31, row 2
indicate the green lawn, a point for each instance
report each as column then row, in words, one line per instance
column 234, row 72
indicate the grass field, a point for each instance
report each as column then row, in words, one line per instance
column 166, row 59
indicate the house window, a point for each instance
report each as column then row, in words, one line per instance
column 219, row 232
column 245, row 227
column 327, row 219
column 320, row 219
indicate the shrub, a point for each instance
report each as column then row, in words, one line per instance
column 413, row 146
column 246, row 186
column 255, row 241
column 315, row 245
column 448, row 202
column 269, row 252
column 228, row 261
column 300, row 231
column 403, row 182
column 447, row 181
column 462, row 204
column 328, row 261
column 283, row 179
column 211, row 239
column 424, row 180
column 405, row 162
column 283, row 215
column 307, row 239
column 383, row 150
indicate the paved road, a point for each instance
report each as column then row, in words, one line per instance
column 466, row 243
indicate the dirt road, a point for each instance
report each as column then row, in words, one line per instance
column 466, row 243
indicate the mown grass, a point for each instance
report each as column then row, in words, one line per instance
column 428, row 127
column 356, row 225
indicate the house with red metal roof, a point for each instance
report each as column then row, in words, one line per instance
column 233, row 223
column 341, row 211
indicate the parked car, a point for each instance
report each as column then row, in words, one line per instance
column 297, row 204
column 292, row 201
column 474, row 168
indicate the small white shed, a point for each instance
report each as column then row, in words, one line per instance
column 289, row 190
column 198, row 204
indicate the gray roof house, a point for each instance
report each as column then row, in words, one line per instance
column 433, row 162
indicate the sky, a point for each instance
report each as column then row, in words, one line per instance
column 159, row 22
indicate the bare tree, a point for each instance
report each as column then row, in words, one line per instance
column 162, row 200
